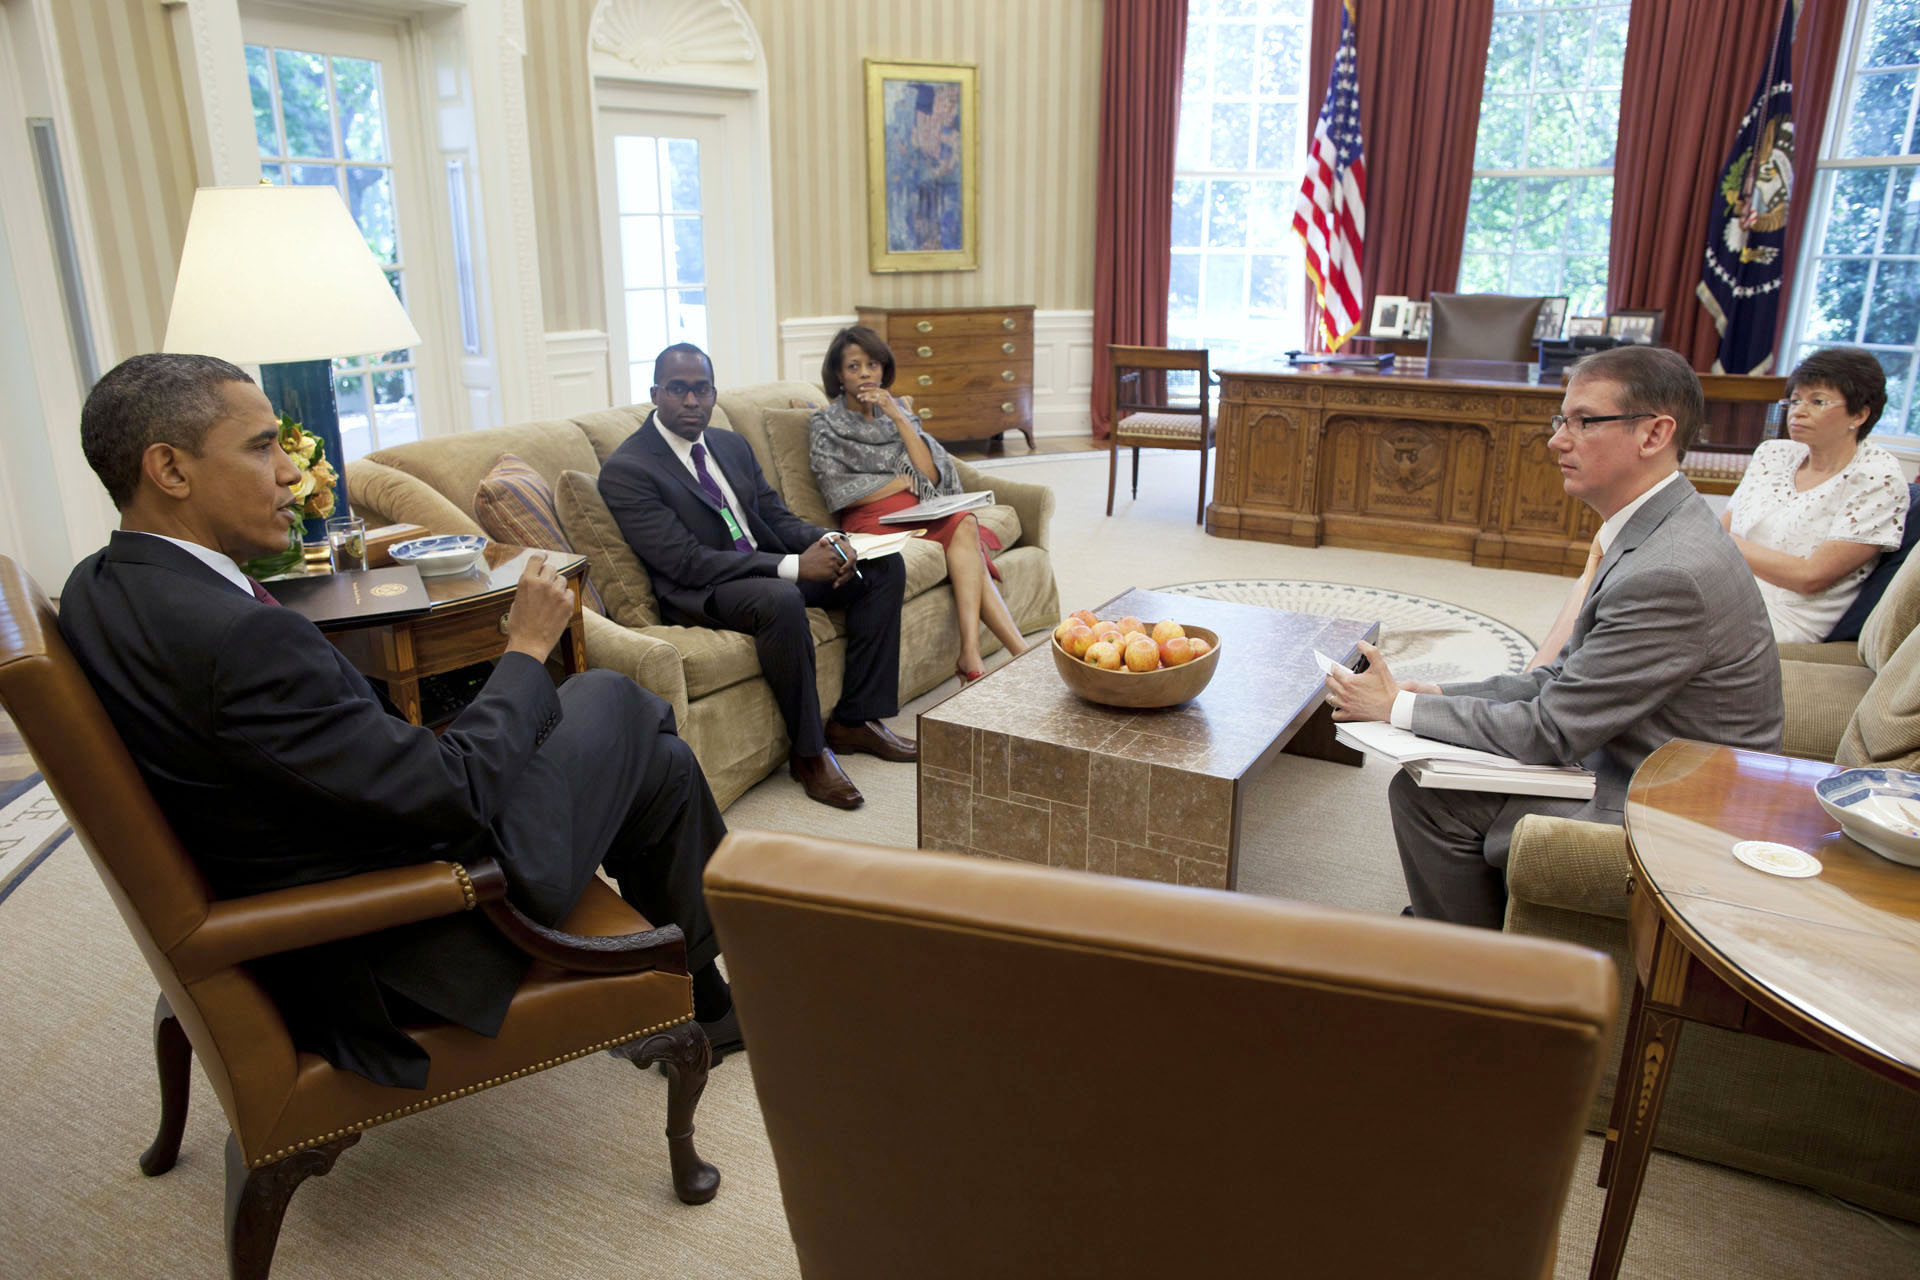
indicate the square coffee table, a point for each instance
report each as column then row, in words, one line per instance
column 1017, row 766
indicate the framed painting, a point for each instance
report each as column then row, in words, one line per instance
column 923, row 166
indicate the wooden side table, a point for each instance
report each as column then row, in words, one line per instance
column 467, row 624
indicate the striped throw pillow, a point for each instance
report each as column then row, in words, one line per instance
column 515, row 505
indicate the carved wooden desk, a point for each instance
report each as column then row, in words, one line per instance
column 1831, row 961
column 1444, row 458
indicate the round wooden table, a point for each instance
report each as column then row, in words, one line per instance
column 1831, row 961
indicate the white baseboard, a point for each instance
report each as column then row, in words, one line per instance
column 578, row 380
column 1062, row 364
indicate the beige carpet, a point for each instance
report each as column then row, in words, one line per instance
column 564, row 1174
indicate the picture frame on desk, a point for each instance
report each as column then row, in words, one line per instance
column 1389, row 317
column 1635, row 326
column 923, row 166
column 1419, row 320
column 1553, row 316
column 1587, row 327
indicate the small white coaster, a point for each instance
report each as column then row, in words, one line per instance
column 1776, row 859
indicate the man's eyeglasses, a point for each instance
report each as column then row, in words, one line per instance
column 681, row 390
column 1815, row 403
column 1579, row 425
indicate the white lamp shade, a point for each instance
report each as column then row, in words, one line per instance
column 275, row 274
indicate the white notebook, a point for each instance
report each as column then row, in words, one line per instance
column 936, row 508
column 1445, row 766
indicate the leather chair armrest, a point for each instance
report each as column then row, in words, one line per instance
column 264, row 924
column 1562, row 862
column 1032, row 502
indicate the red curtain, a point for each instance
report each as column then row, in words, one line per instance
column 1692, row 67
column 1144, row 45
column 1816, row 56
column 1422, row 66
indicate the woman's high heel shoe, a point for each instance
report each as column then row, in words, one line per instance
column 966, row 676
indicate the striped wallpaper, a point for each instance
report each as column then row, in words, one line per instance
column 132, row 154
column 1039, row 93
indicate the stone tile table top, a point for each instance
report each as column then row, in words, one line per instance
column 1018, row 766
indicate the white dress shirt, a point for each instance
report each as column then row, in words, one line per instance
column 683, row 450
column 1402, row 715
column 220, row 563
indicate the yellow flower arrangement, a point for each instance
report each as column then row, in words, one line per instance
column 314, row 491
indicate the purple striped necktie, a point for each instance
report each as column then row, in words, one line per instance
column 260, row 593
column 712, row 486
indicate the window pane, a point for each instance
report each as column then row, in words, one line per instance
column 1510, row 54
column 1227, row 220
column 689, row 259
column 303, row 103
column 396, row 416
column 315, row 175
column 680, row 160
column 1232, row 141
column 1483, row 273
column 1840, row 289
column 1196, row 76
column 1893, row 315
column 363, row 126
column 1854, row 216
column 641, row 266
column 1267, row 285
column 1233, row 59
column 1502, row 135
column 1541, row 222
column 1188, row 194
column 1562, row 61
column 1893, row 33
column 266, row 132
column 273, row 173
column 1877, row 125
column 356, row 428
column 1282, row 61
column 1270, row 213
column 1183, row 285
column 1494, row 202
column 1899, row 417
column 1903, row 211
column 1196, row 120
column 636, row 169
column 1226, row 284
column 646, row 325
column 687, row 316
column 370, row 200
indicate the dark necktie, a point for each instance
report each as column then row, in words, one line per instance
column 260, row 593
column 712, row 486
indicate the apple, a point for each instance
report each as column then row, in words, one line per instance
column 1104, row 655
column 1078, row 640
column 1067, row 624
column 1131, row 623
column 1085, row 616
column 1167, row 630
column 1137, row 634
column 1197, row 647
column 1175, row 651
column 1141, row 655
column 1108, row 631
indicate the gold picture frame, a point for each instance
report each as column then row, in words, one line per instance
column 923, row 160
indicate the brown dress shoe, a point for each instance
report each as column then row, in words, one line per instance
column 822, row 778
column 873, row 738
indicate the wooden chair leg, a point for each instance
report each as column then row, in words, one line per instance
column 174, row 1055
column 257, row 1201
column 1200, row 512
column 1113, row 470
column 684, row 1053
column 1136, row 473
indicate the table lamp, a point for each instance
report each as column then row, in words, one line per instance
column 281, row 278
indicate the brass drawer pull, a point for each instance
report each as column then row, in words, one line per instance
column 1006, row 406
column 1007, row 323
column 925, row 380
column 1006, row 375
column 1006, row 348
column 924, row 352
column 925, row 413
column 925, row 326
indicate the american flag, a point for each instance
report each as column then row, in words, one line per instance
column 1331, row 212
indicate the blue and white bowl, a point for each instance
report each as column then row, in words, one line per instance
column 1878, row 807
column 438, row 556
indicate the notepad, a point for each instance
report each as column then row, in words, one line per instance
column 939, row 508
column 1446, row 767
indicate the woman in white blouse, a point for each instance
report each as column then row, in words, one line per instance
column 1814, row 511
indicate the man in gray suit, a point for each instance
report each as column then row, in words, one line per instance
column 1672, row 641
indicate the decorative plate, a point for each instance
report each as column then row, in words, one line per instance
column 438, row 556
column 1880, row 808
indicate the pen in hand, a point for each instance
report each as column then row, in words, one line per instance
column 834, row 540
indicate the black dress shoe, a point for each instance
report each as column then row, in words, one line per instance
column 723, row 1036
column 822, row 778
column 873, row 738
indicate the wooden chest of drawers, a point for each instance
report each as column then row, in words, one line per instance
column 968, row 369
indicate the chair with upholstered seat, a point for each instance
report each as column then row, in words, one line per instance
column 1143, row 418
column 610, row 981
column 1069, row 1074
column 1483, row 326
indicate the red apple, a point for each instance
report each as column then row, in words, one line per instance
column 1141, row 655
column 1167, row 630
column 1078, row 640
column 1104, row 655
column 1175, row 651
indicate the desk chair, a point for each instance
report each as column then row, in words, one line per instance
column 623, row 986
column 1142, row 418
column 1065, row 1074
column 1483, row 326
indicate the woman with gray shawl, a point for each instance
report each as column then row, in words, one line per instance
column 871, row 458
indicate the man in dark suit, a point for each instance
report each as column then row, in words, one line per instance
column 277, row 765
column 725, row 552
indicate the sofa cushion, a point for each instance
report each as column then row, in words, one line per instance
column 591, row 528
column 455, row 464
column 1893, row 619
column 1820, row 698
column 515, row 505
column 793, row 465
column 1885, row 729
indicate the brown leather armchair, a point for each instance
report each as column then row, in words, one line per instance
column 606, row 981
column 1070, row 1074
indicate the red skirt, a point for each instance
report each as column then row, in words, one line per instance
column 864, row 517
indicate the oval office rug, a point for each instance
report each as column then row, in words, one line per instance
column 1422, row 639
column 31, row 827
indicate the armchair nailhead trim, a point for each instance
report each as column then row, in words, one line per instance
column 466, row 885
column 426, row 1103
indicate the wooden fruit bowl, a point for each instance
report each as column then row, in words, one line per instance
column 1167, row 687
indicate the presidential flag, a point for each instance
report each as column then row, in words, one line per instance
column 1747, row 230
column 1331, row 212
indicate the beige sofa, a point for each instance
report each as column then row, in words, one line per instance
column 724, row 708
column 1771, row 1108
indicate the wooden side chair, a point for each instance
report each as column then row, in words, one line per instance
column 1142, row 418
column 605, row 981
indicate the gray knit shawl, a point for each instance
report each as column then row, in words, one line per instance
column 853, row 455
